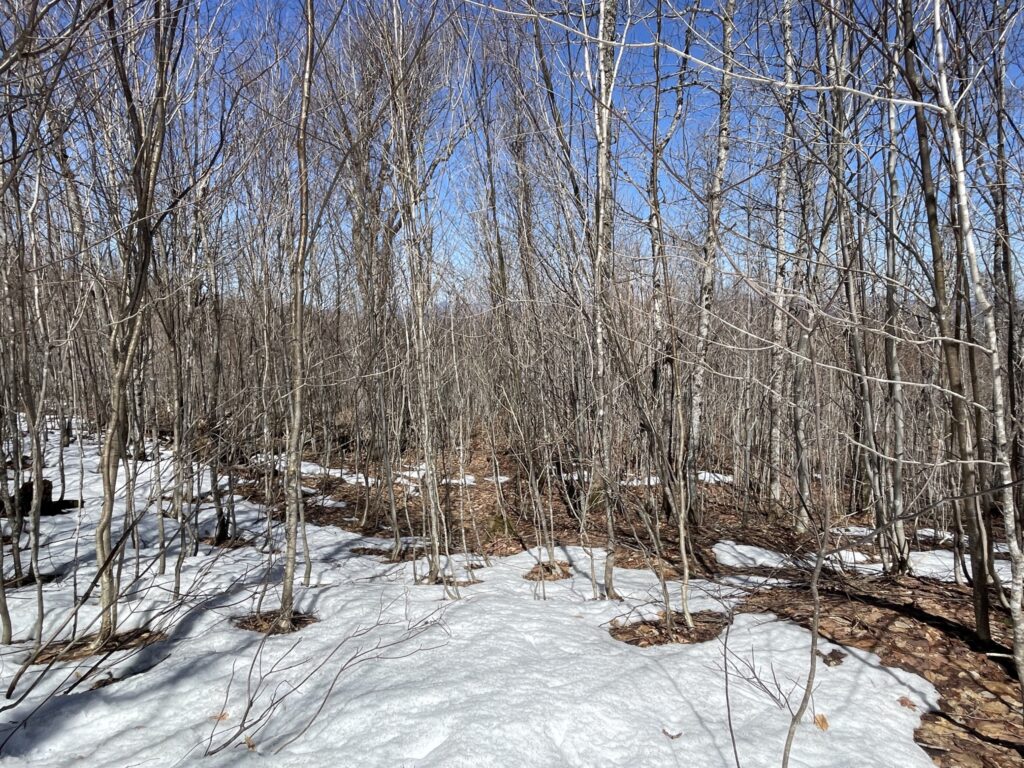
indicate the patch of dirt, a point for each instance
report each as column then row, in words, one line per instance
column 84, row 647
column 707, row 625
column 925, row 628
column 548, row 571
column 268, row 623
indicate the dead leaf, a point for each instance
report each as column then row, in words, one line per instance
column 250, row 743
column 672, row 736
column 833, row 658
column 907, row 703
column 821, row 721
column 220, row 717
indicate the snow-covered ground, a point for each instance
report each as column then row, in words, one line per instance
column 513, row 673
column 735, row 555
column 938, row 564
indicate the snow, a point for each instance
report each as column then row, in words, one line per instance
column 940, row 564
column 734, row 555
column 318, row 470
column 640, row 482
column 332, row 503
column 514, row 673
column 464, row 480
column 711, row 478
column 407, row 477
column 941, row 537
column 945, row 537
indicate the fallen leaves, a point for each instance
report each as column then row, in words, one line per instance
column 833, row 658
column 707, row 625
column 549, row 571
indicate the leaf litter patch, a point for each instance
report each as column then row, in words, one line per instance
column 269, row 622
column 707, row 625
column 636, row 560
column 549, row 571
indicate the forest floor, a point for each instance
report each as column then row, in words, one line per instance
column 923, row 623
column 511, row 661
